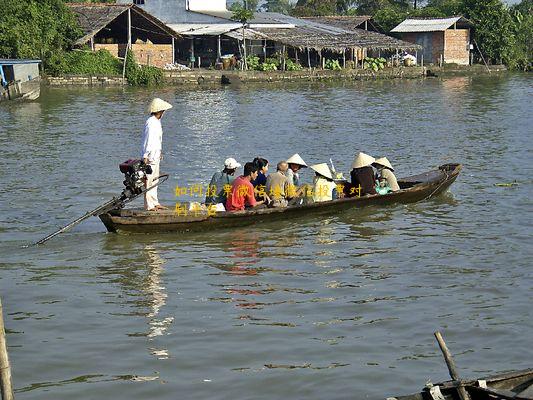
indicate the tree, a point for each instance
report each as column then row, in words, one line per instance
column 493, row 28
column 279, row 6
column 243, row 16
column 248, row 4
column 311, row 8
column 522, row 15
column 36, row 29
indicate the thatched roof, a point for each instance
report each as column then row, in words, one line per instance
column 348, row 22
column 302, row 37
column 93, row 17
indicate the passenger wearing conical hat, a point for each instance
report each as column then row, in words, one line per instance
column 296, row 163
column 386, row 172
column 362, row 175
column 151, row 152
column 324, row 188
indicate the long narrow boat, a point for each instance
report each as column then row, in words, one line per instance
column 517, row 385
column 413, row 189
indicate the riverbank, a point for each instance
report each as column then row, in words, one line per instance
column 465, row 70
column 207, row 76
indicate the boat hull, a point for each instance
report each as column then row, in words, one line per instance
column 416, row 188
column 517, row 385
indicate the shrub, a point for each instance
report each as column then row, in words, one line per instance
column 333, row 65
column 292, row 66
column 142, row 74
column 253, row 62
column 80, row 62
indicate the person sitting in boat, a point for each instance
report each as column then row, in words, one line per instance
column 221, row 182
column 386, row 172
column 362, row 176
column 295, row 163
column 279, row 187
column 382, row 187
column 241, row 195
column 262, row 169
column 324, row 188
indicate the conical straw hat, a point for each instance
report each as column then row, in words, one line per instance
column 296, row 159
column 384, row 163
column 158, row 105
column 322, row 169
column 362, row 160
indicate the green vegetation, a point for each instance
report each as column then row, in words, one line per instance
column 78, row 62
column 142, row 74
column 271, row 64
column 333, row 65
column 375, row 64
column 292, row 66
column 42, row 29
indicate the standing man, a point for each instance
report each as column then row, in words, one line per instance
column 151, row 150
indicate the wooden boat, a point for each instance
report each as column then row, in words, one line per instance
column 517, row 385
column 413, row 189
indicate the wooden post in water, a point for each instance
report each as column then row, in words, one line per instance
column 463, row 394
column 5, row 369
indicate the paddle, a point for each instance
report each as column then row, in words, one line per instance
column 463, row 394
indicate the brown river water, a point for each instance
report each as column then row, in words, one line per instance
column 336, row 307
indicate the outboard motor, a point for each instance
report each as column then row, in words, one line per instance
column 135, row 172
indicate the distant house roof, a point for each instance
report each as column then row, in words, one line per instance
column 204, row 29
column 93, row 17
column 431, row 24
column 345, row 21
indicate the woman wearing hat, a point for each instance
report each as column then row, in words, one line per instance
column 296, row 163
column 324, row 189
column 385, row 171
column 362, row 175
column 151, row 150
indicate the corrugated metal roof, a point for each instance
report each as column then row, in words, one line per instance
column 426, row 25
column 8, row 61
column 204, row 29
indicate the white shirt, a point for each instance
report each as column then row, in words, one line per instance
column 152, row 140
column 323, row 189
column 391, row 179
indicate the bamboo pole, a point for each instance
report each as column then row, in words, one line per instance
column 129, row 27
column 463, row 394
column 344, row 58
column 5, row 368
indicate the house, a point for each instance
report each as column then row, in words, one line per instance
column 445, row 40
column 19, row 78
column 211, row 33
column 115, row 27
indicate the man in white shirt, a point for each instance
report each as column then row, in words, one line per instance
column 151, row 150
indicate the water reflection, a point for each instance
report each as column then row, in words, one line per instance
column 140, row 273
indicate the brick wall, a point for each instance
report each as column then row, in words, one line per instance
column 112, row 48
column 456, row 51
column 156, row 55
